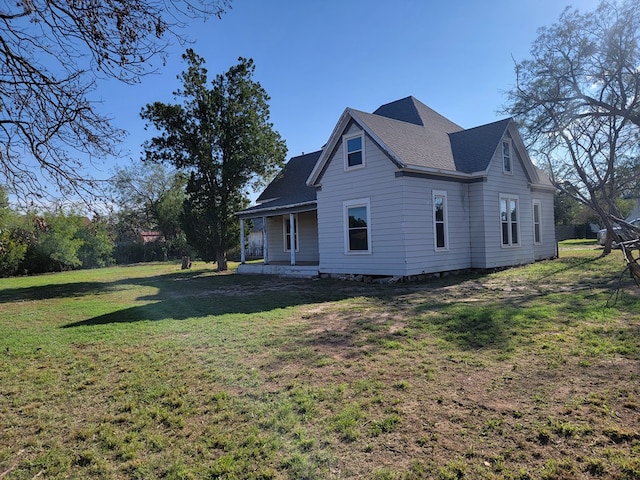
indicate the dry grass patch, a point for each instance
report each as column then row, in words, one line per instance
column 149, row 372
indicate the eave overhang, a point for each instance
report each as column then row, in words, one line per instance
column 259, row 211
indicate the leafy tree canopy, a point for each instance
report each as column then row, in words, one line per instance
column 222, row 137
column 148, row 197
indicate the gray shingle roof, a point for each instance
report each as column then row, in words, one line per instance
column 425, row 146
column 473, row 148
column 413, row 134
column 404, row 110
column 421, row 137
column 412, row 110
column 289, row 187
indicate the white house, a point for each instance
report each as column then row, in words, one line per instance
column 404, row 191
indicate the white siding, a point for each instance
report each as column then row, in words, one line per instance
column 307, row 238
column 401, row 218
column 255, row 244
column 275, row 241
column 478, row 235
column 546, row 249
column 376, row 182
column 418, row 221
column 515, row 185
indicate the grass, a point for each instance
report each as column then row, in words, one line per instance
column 152, row 372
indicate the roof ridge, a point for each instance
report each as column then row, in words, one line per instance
column 404, row 110
column 413, row 101
column 504, row 120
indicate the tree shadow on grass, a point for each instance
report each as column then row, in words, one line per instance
column 467, row 324
column 570, row 263
column 45, row 292
column 502, row 317
column 80, row 289
column 181, row 309
column 193, row 295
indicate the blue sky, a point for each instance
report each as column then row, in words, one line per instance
column 315, row 58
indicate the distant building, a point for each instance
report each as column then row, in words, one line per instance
column 149, row 237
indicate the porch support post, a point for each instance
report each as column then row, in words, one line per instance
column 243, row 257
column 292, row 242
column 265, row 241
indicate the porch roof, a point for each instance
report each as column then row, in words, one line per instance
column 288, row 192
column 276, row 208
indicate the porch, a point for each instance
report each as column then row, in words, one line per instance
column 284, row 269
column 289, row 242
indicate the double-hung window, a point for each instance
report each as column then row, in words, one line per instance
column 509, row 220
column 353, row 151
column 286, row 227
column 441, row 235
column 537, row 222
column 506, row 156
column 357, row 226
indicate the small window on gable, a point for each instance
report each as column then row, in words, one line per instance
column 506, row 156
column 353, row 152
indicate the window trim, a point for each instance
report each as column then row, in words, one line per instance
column 509, row 198
column 536, row 203
column 296, row 228
column 445, row 221
column 506, row 141
column 345, row 151
column 346, row 205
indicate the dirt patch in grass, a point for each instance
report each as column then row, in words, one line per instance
column 539, row 406
column 522, row 374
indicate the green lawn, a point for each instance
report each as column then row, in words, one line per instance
column 152, row 372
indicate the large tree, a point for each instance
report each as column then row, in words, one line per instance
column 52, row 52
column 221, row 135
column 148, row 197
column 578, row 99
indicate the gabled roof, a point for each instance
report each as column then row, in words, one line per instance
column 426, row 146
column 473, row 148
column 288, row 189
column 415, row 137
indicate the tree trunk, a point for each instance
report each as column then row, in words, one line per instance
column 222, row 261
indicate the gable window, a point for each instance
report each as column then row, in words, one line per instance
column 441, row 236
column 509, row 220
column 506, row 156
column 354, row 151
column 286, row 227
column 537, row 222
column 357, row 225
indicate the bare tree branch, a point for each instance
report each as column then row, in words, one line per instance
column 52, row 54
column 578, row 101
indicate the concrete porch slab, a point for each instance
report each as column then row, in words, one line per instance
column 300, row 271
